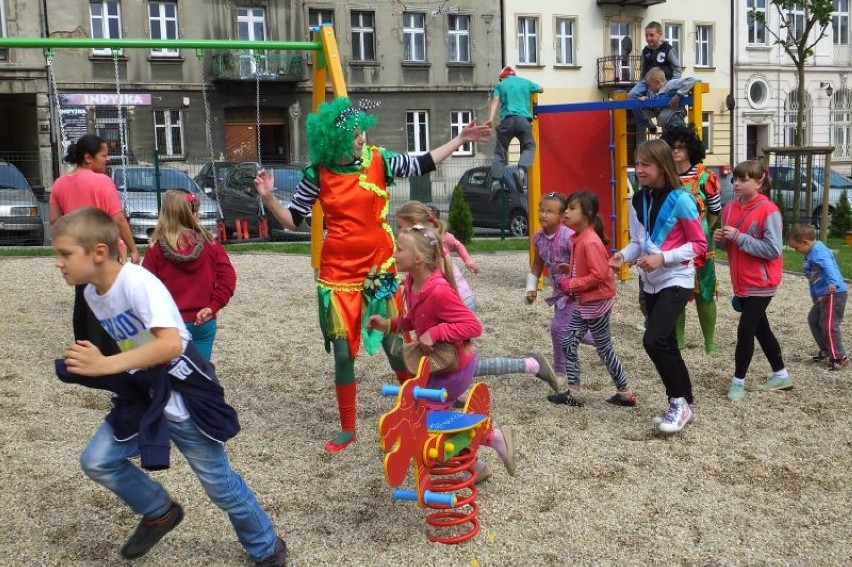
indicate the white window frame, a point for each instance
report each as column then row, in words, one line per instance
column 417, row 131
column 704, row 39
column 673, row 33
column 108, row 119
column 840, row 19
column 840, row 123
column 163, row 20
column 3, row 19
column 565, row 34
column 528, row 40
column 458, row 120
column 707, row 131
column 458, row 37
column 414, row 37
column 791, row 106
column 165, row 121
column 795, row 18
column 756, row 30
column 251, row 16
column 317, row 17
column 363, row 34
column 100, row 25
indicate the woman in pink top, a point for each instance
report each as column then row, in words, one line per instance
column 89, row 186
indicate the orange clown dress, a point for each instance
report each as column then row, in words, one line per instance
column 357, row 274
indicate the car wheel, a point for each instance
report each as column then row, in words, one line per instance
column 518, row 223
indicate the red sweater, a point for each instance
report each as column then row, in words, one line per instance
column 590, row 277
column 195, row 282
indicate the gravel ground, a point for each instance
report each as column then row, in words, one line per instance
column 762, row 481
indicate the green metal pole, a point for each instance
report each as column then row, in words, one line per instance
column 147, row 43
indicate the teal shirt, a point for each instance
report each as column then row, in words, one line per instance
column 514, row 94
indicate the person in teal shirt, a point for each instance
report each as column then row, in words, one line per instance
column 512, row 97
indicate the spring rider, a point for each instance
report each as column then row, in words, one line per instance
column 443, row 446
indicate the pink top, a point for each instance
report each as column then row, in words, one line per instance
column 452, row 244
column 85, row 188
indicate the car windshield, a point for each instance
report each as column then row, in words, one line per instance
column 836, row 180
column 143, row 180
column 11, row 178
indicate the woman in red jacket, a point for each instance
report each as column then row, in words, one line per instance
column 590, row 280
column 193, row 266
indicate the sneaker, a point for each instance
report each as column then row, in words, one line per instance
column 820, row 356
column 278, row 557
column 711, row 349
column 736, row 391
column 618, row 400
column 776, row 382
column 839, row 364
column 509, row 458
column 545, row 372
column 343, row 440
column 677, row 417
column 564, row 398
column 521, row 178
column 693, row 408
column 149, row 532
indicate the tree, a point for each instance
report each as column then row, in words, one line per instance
column 841, row 218
column 460, row 219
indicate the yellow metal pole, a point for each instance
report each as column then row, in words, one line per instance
column 622, row 232
column 696, row 111
column 327, row 64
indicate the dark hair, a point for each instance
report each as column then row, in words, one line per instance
column 801, row 233
column 559, row 198
column 688, row 136
column 87, row 144
column 588, row 203
column 753, row 169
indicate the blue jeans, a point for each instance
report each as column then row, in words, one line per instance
column 640, row 89
column 106, row 461
column 203, row 336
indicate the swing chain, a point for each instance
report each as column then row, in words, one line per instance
column 63, row 139
column 122, row 132
column 257, row 116
column 209, row 132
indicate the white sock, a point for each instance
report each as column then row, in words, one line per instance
column 738, row 381
column 782, row 373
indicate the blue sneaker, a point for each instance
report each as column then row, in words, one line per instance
column 736, row 391
column 776, row 382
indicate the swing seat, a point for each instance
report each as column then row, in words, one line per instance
column 262, row 227
column 221, row 231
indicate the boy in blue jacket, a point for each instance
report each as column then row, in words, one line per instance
column 165, row 392
column 828, row 292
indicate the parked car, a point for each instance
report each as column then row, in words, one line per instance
column 141, row 191
column 486, row 205
column 239, row 200
column 783, row 179
column 21, row 222
column 205, row 176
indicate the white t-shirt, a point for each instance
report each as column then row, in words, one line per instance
column 137, row 302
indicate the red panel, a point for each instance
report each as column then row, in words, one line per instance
column 575, row 155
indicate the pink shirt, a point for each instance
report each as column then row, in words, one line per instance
column 85, row 188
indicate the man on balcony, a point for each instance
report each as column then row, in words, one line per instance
column 512, row 97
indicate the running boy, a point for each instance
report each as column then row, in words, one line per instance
column 828, row 291
column 165, row 392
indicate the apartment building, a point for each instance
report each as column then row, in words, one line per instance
column 766, row 84
column 585, row 50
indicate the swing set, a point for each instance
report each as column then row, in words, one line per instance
column 326, row 67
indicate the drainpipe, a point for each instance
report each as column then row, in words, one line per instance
column 503, row 34
column 51, row 109
column 732, row 107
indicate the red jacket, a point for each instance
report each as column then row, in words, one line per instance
column 195, row 281
column 590, row 278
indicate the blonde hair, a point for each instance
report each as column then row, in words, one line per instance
column 801, row 233
column 88, row 227
column 417, row 213
column 178, row 215
column 656, row 74
column 659, row 153
column 427, row 243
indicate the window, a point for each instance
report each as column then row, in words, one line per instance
column 796, row 21
column 168, row 133
column 458, row 120
column 527, row 40
column 109, row 125
column 565, row 41
column 318, row 17
column 758, row 93
column 791, row 109
column 163, row 21
column 619, row 37
column 673, row 34
column 707, row 131
column 106, row 22
column 251, row 26
column 840, row 22
column 459, row 38
column 417, row 127
column 840, row 132
column 703, row 46
column 363, row 36
column 2, row 19
column 756, row 30
column 414, row 36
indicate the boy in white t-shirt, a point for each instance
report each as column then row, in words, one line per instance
column 165, row 392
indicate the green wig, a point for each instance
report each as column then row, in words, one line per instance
column 331, row 130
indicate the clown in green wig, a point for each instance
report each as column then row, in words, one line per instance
column 331, row 130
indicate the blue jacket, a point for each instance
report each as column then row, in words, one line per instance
column 821, row 269
column 141, row 397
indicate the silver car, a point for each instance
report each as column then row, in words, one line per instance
column 21, row 222
column 139, row 197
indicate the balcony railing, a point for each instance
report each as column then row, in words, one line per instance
column 270, row 65
column 619, row 70
column 642, row 3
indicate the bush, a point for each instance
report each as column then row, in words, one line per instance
column 841, row 218
column 460, row 219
